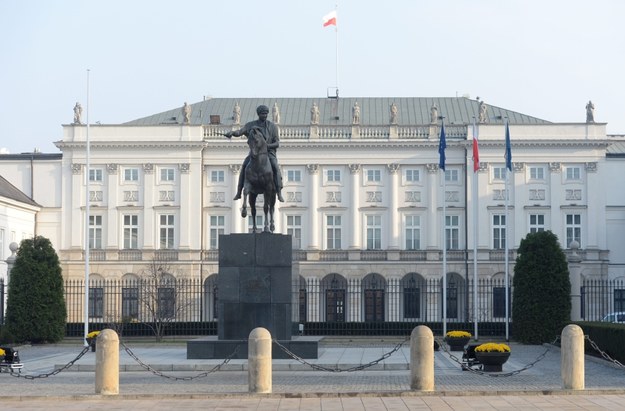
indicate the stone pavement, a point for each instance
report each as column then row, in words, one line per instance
column 190, row 384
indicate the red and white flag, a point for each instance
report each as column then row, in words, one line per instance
column 329, row 19
column 476, row 150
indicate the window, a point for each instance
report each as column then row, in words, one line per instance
column 537, row 223
column 452, row 232
column 333, row 232
column 573, row 173
column 333, row 176
column 413, row 232
column 96, row 302
column 294, row 176
column 130, row 303
column 95, row 231
column 131, row 174
column 499, row 173
column 537, row 173
column 412, row 175
column 217, row 226
column 499, row 231
column 374, row 176
column 131, row 231
column 619, row 299
column 452, row 176
column 374, row 232
column 573, row 229
column 499, row 302
column 95, row 175
column 167, row 174
column 294, row 229
column 2, row 244
column 166, row 231
column 166, row 302
column 217, row 176
column 412, row 298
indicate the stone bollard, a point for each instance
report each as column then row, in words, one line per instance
column 107, row 363
column 422, row 359
column 259, row 361
column 572, row 354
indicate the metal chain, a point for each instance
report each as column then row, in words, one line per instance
column 171, row 377
column 603, row 353
column 351, row 369
column 58, row 370
column 466, row 367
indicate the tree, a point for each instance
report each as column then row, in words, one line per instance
column 542, row 289
column 36, row 309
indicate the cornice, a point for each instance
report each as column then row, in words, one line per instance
column 132, row 144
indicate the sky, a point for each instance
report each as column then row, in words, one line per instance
column 543, row 58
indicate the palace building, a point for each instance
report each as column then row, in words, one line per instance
column 367, row 206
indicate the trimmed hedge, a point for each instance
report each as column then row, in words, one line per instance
column 607, row 336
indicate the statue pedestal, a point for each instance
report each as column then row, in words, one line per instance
column 254, row 289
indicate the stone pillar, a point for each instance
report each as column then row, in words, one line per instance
column 259, row 361
column 422, row 359
column 572, row 362
column 11, row 260
column 395, row 223
column 313, row 170
column 107, row 363
column 354, row 243
column 575, row 270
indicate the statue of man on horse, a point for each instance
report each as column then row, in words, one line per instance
column 260, row 173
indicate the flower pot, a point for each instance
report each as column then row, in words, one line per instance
column 91, row 342
column 492, row 361
column 457, row 343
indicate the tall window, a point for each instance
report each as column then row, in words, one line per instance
column 95, row 175
column 374, row 176
column 95, row 231
column 131, row 174
column 499, row 173
column 537, row 223
column 96, row 302
column 217, row 227
column 131, row 231
column 452, row 232
column 619, row 299
column 412, row 175
column 130, row 303
column 294, row 176
column 573, row 173
column 573, row 229
column 294, row 229
column 499, row 231
column 166, row 302
column 451, row 175
column 166, row 230
column 412, row 299
column 217, row 176
column 333, row 232
column 167, row 174
column 333, row 176
column 537, row 173
column 499, row 302
column 374, row 232
column 413, row 232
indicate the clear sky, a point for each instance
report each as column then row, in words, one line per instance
column 544, row 58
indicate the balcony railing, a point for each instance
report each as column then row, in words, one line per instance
column 129, row 255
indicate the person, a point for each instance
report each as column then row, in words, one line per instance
column 186, row 111
column 314, row 114
column 356, row 113
column 236, row 114
column 275, row 111
column 272, row 137
column 77, row 113
column 590, row 112
column 393, row 113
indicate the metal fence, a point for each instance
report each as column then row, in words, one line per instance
column 333, row 305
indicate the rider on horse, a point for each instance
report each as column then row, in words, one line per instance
column 272, row 137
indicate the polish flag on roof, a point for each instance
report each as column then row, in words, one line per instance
column 329, row 19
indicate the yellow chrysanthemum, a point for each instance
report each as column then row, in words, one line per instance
column 458, row 334
column 93, row 334
column 2, row 353
column 492, row 347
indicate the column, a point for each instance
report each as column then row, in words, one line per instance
column 238, row 223
column 78, row 216
column 112, row 219
column 432, row 218
column 314, row 226
column 355, row 240
column 575, row 275
column 149, row 223
column 393, row 243
column 186, row 217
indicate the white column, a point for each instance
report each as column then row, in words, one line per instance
column 149, row 219
column 183, row 199
column 78, row 216
column 238, row 223
column 315, row 227
column 112, row 220
column 355, row 241
column 393, row 242
column 432, row 208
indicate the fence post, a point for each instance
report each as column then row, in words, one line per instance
column 107, row 363
column 259, row 361
column 422, row 359
column 572, row 357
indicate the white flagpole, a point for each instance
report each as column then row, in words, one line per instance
column 336, row 35
column 475, row 228
column 507, row 268
column 444, row 238
column 87, row 166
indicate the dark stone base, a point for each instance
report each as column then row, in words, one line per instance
column 209, row 348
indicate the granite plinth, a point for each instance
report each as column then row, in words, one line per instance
column 208, row 348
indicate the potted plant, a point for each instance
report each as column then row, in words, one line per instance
column 492, row 356
column 91, row 339
column 457, row 340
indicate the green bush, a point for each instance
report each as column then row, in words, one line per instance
column 542, row 290
column 35, row 303
column 608, row 337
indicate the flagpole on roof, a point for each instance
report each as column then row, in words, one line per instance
column 336, row 35
column 87, row 166
column 476, row 166
column 508, row 157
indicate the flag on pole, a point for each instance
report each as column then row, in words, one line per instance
column 329, row 19
column 442, row 144
column 508, row 154
column 476, row 149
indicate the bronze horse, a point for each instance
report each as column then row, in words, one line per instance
column 259, row 180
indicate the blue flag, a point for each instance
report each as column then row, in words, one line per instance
column 442, row 144
column 508, row 154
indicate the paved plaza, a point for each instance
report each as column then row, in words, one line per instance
column 384, row 385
